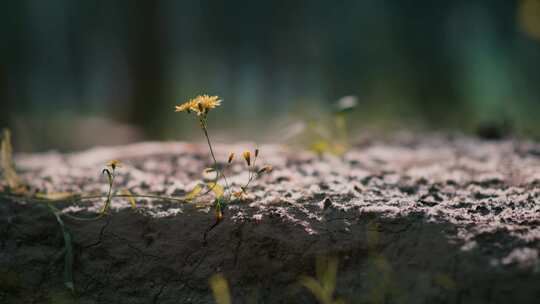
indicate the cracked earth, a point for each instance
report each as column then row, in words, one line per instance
column 411, row 220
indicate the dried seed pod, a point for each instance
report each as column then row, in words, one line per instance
column 256, row 152
column 240, row 195
column 231, row 157
column 265, row 169
column 219, row 215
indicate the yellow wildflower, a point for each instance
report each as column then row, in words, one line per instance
column 186, row 106
column 208, row 102
column 200, row 104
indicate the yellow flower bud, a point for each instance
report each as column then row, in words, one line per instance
column 247, row 157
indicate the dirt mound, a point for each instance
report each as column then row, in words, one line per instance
column 431, row 220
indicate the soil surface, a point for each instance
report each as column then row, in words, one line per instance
column 435, row 219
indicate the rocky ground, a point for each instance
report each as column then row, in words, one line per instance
column 410, row 220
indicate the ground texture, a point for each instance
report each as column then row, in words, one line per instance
column 410, row 220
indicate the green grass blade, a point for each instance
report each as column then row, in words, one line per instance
column 68, row 253
column 316, row 289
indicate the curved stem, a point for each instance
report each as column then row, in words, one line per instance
column 90, row 197
column 109, row 196
column 135, row 195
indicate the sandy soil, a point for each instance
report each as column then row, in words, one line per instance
column 410, row 220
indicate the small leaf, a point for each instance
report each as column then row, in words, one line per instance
column 130, row 197
column 220, row 289
column 217, row 189
column 193, row 193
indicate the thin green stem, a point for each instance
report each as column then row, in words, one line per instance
column 205, row 130
column 219, row 172
column 109, row 197
column 252, row 174
column 90, row 197
column 168, row 198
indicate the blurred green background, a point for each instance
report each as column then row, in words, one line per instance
column 74, row 74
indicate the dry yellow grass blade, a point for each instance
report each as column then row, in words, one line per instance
column 324, row 286
column 316, row 289
column 220, row 289
column 55, row 196
column 217, row 189
column 193, row 193
column 130, row 197
column 6, row 163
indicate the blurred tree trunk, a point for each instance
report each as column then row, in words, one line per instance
column 6, row 102
column 13, row 66
column 146, row 67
